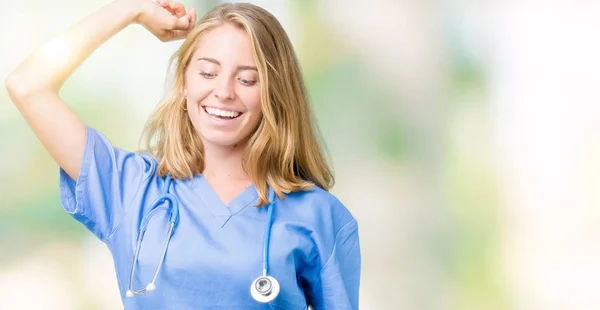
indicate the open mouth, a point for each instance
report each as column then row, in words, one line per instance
column 221, row 114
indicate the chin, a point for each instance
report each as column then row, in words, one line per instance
column 221, row 141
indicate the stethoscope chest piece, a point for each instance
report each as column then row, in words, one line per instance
column 264, row 289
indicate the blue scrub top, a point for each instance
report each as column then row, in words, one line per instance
column 215, row 252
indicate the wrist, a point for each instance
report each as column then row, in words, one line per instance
column 134, row 8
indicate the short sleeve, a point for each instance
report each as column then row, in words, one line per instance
column 108, row 180
column 339, row 281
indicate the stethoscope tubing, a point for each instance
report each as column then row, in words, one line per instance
column 173, row 220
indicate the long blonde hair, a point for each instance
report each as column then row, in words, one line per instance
column 285, row 151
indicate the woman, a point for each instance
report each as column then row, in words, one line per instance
column 228, row 208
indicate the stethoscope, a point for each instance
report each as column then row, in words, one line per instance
column 264, row 289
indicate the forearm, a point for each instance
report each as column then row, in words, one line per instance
column 49, row 67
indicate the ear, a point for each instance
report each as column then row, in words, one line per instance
column 185, row 92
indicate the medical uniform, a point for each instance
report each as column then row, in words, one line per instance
column 215, row 252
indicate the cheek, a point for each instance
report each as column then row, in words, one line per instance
column 251, row 99
column 196, row 90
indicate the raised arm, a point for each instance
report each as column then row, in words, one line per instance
column 35, row 84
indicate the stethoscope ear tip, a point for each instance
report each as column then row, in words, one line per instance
column 150, row 287
column 129, row 293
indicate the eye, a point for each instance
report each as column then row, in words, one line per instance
column 246, row 82
column 207, row 75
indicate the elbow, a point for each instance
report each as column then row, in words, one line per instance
column 10, row 84
column 19, row 88
column 16, row 88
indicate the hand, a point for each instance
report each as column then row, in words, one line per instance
column 166, row 19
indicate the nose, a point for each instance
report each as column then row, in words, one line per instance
column 224, row 89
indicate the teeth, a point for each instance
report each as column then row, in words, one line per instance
column 219, row 112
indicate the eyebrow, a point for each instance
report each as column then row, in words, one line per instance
column 239, row 68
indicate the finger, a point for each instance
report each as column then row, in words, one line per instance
column 177, row 8
column 167, row 6
column 176, row 34
column 182, row 23
column 192, row 14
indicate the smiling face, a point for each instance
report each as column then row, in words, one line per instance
column 222, row 88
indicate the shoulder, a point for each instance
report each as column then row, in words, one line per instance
column 100, row 150
column 149, row 163
column 318, row 209
column 321, row 217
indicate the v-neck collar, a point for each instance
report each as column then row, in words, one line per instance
column 211, row 200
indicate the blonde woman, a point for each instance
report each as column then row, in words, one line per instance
column 229, row 206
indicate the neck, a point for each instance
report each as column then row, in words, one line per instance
column 224, row 164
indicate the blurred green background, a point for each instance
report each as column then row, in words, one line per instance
column 464, row 135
